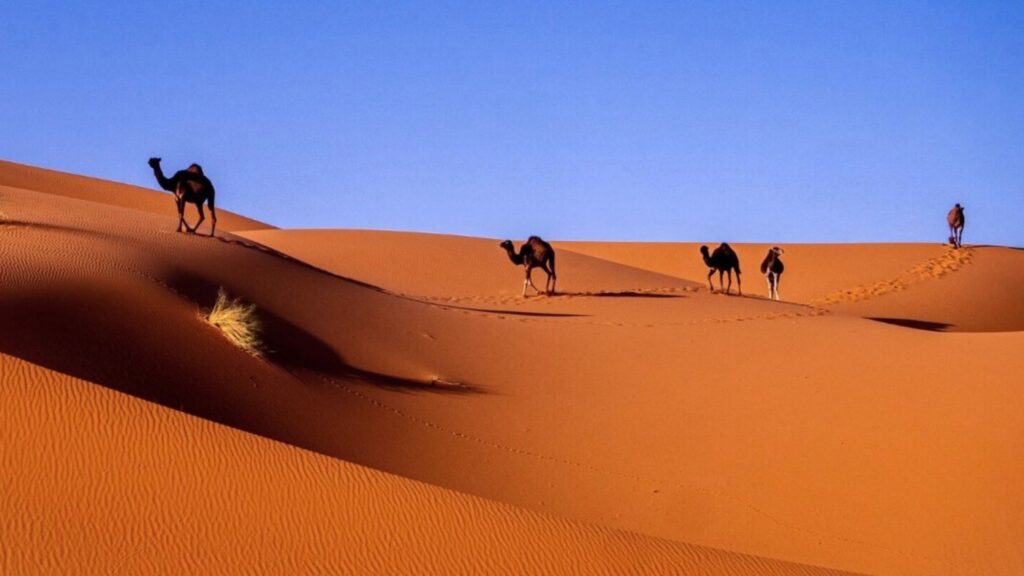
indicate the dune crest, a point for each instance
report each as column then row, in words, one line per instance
column 635, row 421
column 951, row 261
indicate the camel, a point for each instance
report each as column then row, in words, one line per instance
column 722, row 260
column 955, row 218
column 772, row 269
column 534, row 253
column 189, row 185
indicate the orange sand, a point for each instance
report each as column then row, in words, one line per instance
column 413, row 414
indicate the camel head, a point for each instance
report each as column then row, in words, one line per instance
column 510, row 248
column 154, row 162
column 777, row 251
column 704, row 251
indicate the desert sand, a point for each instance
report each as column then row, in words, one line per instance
column 412, row 413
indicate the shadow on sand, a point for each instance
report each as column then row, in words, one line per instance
column 915, row 324
column 292, row 347
column 127, row 341
column 501, row 311
column 619, row 294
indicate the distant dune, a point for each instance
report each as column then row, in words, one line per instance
column 413, row 414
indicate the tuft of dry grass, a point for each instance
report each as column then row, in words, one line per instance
column 237, row 322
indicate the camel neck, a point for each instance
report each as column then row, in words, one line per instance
column 162, row 180
column 515, row 258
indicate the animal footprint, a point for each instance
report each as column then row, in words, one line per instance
column 951, row 260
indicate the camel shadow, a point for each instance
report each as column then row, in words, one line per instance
column 503, row 312
column 915, row 324
column 619, row 294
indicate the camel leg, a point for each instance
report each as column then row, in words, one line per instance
column 549, row 285
column 729, row 274
column 710, row 285
column 213, row 215
column 529, row 282
column 181, row 213
column 189, row 229
column 529, row 278
column 771, row 289
column 739, row 282
column 778, row 281
column 202, row 217
column 554, row 276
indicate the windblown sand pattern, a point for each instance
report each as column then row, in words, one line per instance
column 411, row 413
column 118, row 485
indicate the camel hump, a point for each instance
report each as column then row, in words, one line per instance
column 956, row 215
column 534, row 239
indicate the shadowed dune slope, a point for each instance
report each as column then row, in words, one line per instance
column 636, row 402
column 153, row 200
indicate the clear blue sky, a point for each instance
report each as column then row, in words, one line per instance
column 746, row 121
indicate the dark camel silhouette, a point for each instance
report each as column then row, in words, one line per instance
column 955, row 218
column 534, row 253
column 188, row 185
column 723, row 260
column 772, row 269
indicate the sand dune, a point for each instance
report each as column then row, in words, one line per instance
column 637, row 420
column 106, row 483
column 916, row 285
column 105, row 192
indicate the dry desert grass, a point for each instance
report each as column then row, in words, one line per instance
column 237, row 321
column 635, row 423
